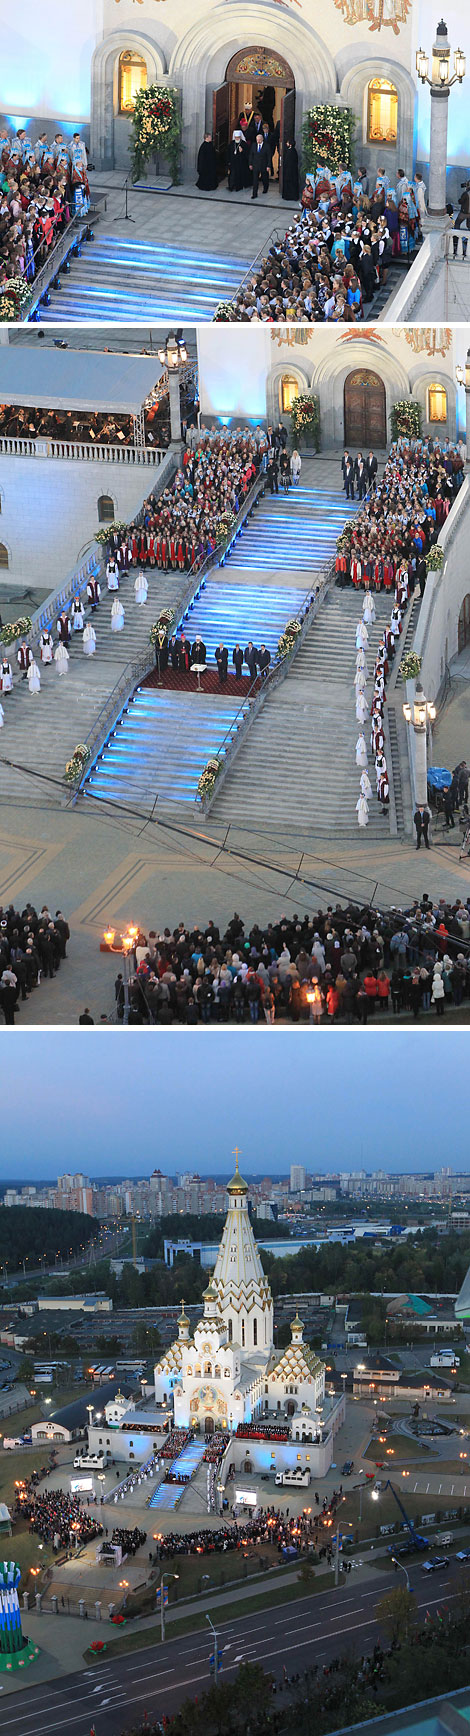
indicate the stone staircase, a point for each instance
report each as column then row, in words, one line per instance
column 293, row 532
column 115, row 279
column 298, row 766
column 159, row 748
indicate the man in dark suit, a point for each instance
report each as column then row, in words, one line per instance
column 221, row 658
column 259, row 164
column 272, row 472
column 251, row 656
column 198, row 652
column 371, row 469
column 264, row 659
column 347, row 467
column 360, row 476
column 237, row 660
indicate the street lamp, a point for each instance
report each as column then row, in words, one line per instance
column 216, row 1654
column 418, row 714
column 173, row 356
column 404, row 1570
column 124, row 945
column 440, row 83
column 163, row 1577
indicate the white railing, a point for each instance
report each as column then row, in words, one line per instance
column 22, row 447
column 442, row 247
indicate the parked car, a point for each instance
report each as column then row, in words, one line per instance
column 463, row 1555
column 347, row 1467
column 435, row 1563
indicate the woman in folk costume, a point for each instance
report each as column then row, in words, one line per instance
column 61, row 658
column 46, row 645
column 368, row 608
column 356, row 572
column 6, row 676
column 361, row 752
column 360, row 682
column 381, row 659
column 141, row 588
column 89, row 640
column 362, row 812
column 117, row 616
column 366, row 786
column 361, row 708
column 362, row 636
column 395, row 622
column 388, row 573
column 34, row 678
column 361, row 665
column 341, row 567
column 112, row 574
column 76, row 613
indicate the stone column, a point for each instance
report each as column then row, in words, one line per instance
column 438, row 150
column 175, row 407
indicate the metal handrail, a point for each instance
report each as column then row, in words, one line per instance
column 276, row 235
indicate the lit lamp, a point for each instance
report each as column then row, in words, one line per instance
column 172, row 355
column 123, row 944
column 418, row 714
column 440, row 83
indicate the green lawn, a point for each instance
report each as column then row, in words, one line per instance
column 405, row 1448
column 138, row 1638
column 218, row 1569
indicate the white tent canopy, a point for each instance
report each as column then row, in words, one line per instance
column 76, row 380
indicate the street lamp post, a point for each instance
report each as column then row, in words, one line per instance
column 216, row 1656
column 418, row 714
column 439, row 84
column 173, row 355
column 124, row 945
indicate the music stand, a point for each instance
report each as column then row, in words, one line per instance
column 198, row 669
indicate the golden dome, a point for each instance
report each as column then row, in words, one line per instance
column 237, row 1185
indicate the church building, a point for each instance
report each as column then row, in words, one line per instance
column 228, row 1376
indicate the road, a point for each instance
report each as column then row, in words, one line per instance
column 113, row 1694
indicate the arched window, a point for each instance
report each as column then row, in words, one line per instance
column 243, row 1331
column 382, row 112
column 208, row 1368
column 437, row 404
column 4, row 562
column 132, row 78
column 217, row 1372
column 255, row 1332
column 288, row 392
column 105, row 509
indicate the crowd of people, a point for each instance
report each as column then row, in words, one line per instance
column 42, row 185
column 344, row 963
column 32, row 946
column 95, row 429
column 214, row 1451
column 128, row 1540
column 270, row 1525
column 182, row 525
column 338, row 249
column 57, row 1518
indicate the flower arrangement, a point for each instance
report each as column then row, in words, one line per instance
column 327, row 137
column 288, row 637
column 405, row 419
column 305, row 419
column 15, row 298
column 16, row 630
column 156, row 126
column 223, row 313
column 103, row 536
column 410, row 666
column 76, row 765
column 344, row 540
column 435, row 559
column 225, row 525
column 98, row 1646
column 208, row 779
column 162, row 626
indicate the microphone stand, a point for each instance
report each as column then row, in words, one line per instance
column 126, row 218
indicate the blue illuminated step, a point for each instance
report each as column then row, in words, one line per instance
column 297, row 531
column 160, row 747
column 117, row 279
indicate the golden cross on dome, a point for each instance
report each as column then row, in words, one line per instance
column 236, row 1154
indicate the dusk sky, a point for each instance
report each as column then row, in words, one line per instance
column 123, row 1103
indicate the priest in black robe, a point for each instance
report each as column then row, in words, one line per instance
column 207, row 175
column 290, row 171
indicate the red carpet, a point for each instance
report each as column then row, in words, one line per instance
column 182, row 683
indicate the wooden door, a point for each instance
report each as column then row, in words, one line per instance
column 365, row 422
column 464, row 623
column 287, row 128
column 220, row 126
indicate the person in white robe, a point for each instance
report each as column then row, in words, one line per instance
column 362, row 636
column 89, row 640
column 117, row 616
column 6, row 676
column 361, row 662
column 77, row 615
column 361, row 752
column 34, row 678
column 366, row 786
column 361, row 708
column 46, row 646
column 368, row 609
column 141, row 588
column 61, row 659
column 362, row 812
column 360, row 681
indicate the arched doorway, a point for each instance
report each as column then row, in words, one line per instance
column 464, row 623
column 365, row 416
column 209, row 1425
column 264, row 80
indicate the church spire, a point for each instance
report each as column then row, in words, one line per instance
column 237, row 1185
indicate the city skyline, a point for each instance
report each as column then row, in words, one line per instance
column 277, row 1100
